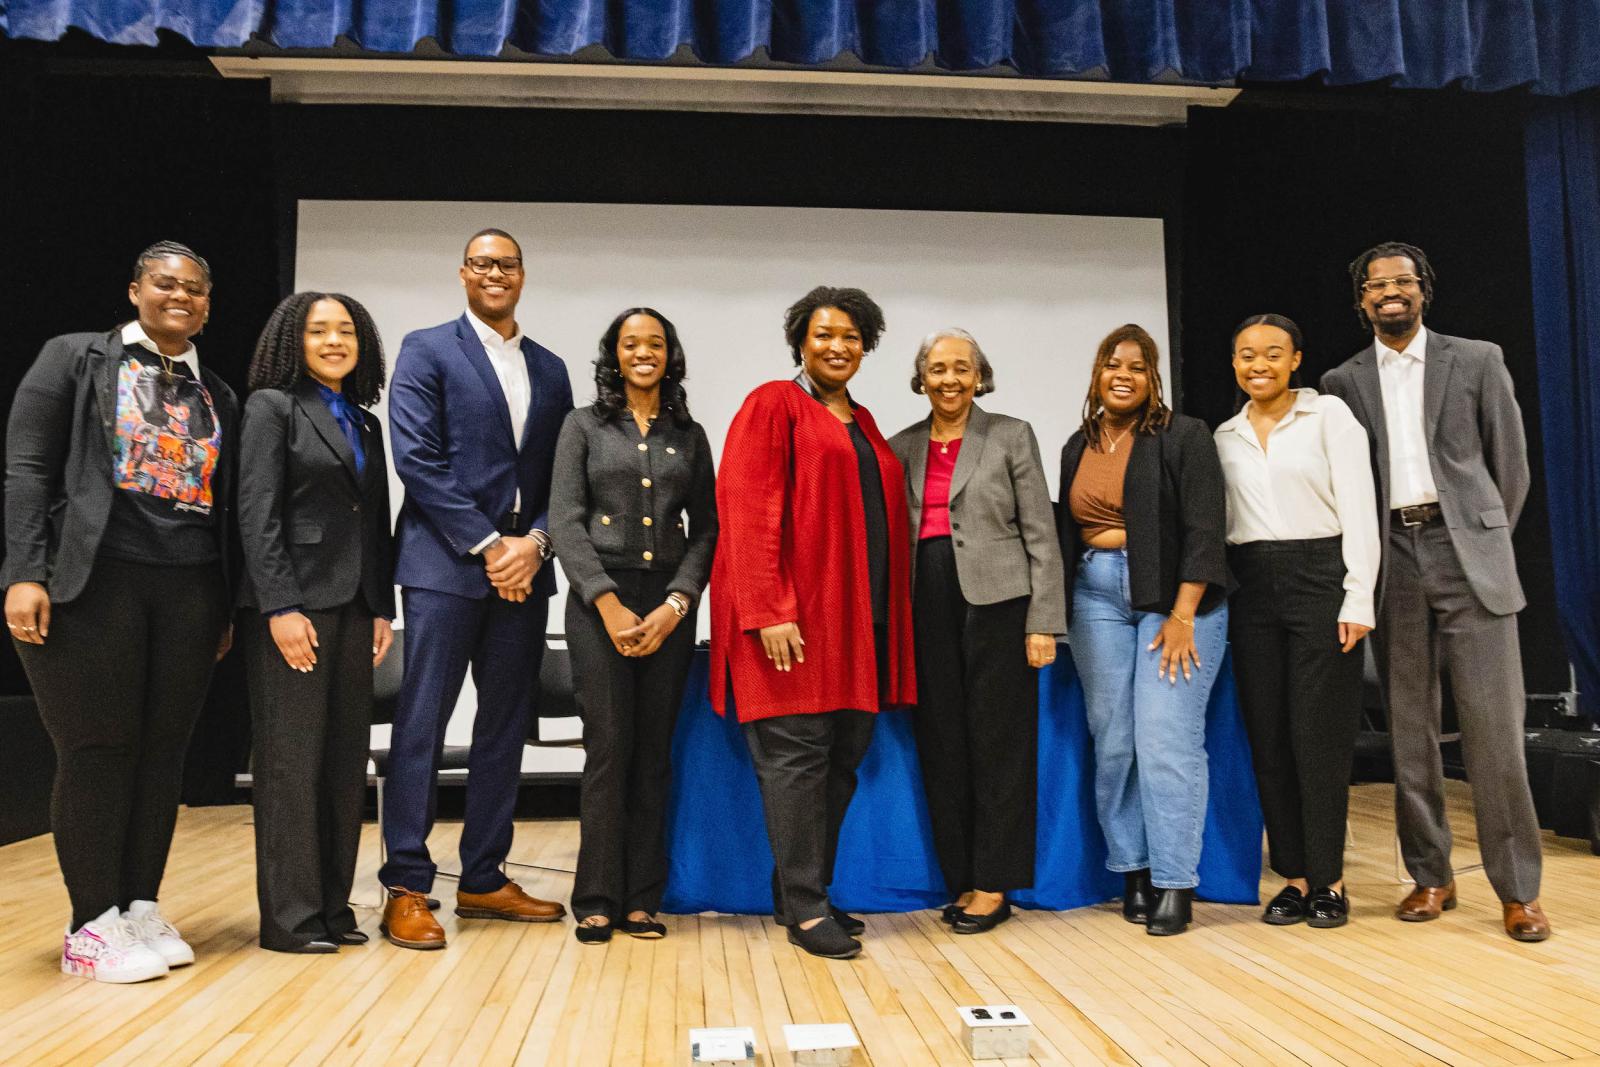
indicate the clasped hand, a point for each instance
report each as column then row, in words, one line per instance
column 511, row 564
column 630, row 635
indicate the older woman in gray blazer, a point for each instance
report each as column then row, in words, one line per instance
column 988, row 603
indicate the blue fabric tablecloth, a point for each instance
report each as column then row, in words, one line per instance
column 717, row 837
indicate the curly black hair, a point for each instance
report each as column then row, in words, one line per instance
column 163, row 249
column 280, row 357
column 1358, row 273
column 611, row 396
column 861, row 308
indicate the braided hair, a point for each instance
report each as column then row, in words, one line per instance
column 1156, row 415
column 610, row 395
column 280, row 357
column 161, row 250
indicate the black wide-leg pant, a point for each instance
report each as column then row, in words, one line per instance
column 1300, row 696
column 311, row 737
column 977, row 726
column 120, row 681
column 629, row 707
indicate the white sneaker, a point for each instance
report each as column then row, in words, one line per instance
column 108, row 949
column 159, row 934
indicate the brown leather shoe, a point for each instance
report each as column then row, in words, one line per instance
column 1526, row 922
column 1426, row 902
column 508, row 902
column 407, row 922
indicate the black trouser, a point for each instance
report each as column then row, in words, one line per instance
column 311, row 736
column 977, row 723
column 119, row 682
column 1301, row 698
column 629, row 707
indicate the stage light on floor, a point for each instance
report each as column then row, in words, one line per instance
column 995, row 1031
column 723, row 1046
column 821, row 1044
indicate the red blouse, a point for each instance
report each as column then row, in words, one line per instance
column 792, row 548
column 936, row 489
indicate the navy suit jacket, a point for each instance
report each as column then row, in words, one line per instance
column 454, row 453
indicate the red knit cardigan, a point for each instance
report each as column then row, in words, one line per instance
column 792, row 547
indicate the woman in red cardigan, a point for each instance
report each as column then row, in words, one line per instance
column 811, row 600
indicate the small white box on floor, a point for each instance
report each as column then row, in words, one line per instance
column 723, row 1046
column 995, row 1031
column 821, row 1044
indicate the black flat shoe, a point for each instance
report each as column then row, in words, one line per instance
column 1328, row 909
column 644, row 929
column 310, row 948
column 826, row 939
column 1285, row 909
column 592, row 935
column 966, row 923
column 1138, row 896
column 1172, row 913
column 847, row 922
column 948, row 913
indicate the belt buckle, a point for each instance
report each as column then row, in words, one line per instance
column 1420, row 510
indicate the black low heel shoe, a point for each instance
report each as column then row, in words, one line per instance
column 1138, row 895
column 1172, row 912
column 1285, row 909
column 1328, row 908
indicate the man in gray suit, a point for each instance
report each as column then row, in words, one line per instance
column 1452, row 469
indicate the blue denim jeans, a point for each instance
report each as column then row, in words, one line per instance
column 1150, row 775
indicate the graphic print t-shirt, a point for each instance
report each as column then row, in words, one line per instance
column 164, row 458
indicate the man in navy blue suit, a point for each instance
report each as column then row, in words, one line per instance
column 474, row 409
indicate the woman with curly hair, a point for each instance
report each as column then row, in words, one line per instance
column 629, row 470
column 318, row 595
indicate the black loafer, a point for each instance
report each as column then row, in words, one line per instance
column 1327, row 909
column 644, row 929
column 847, row 922
column 826, row 939
column 1172, row 913
column 592, row 935
column 1285, row 909
column 967, row 923
column 1138, row 896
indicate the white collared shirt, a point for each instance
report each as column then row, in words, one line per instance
column 1314, row 479
column 133, row 334
column 1400, row 376
column 505, row 355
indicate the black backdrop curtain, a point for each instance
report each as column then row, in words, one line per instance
column 1563, row 163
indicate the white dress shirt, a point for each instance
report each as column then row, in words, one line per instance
column 1400, row 376
column 1314, row 479
column 133, row 334
column 505, row 355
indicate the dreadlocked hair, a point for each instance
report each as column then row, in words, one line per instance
column 611, row 395
column 280, row 357
column 1387, row 250
column 1156, row 415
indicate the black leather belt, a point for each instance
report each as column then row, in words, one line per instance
column 1418, row 514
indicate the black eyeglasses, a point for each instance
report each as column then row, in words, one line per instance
column 1378, row 285
column 485, row 264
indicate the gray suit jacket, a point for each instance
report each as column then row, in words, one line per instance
column 1476, row 450
column 1003, row 525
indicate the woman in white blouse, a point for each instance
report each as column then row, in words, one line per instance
column 1303, row 544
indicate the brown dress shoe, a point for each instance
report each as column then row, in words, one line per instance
column 407, row 922
column 1426, row 902
column 1526, row 922
column 508, row 902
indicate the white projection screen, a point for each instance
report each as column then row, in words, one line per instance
column 1038, row 292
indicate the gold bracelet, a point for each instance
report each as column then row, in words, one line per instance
column 1187, row 622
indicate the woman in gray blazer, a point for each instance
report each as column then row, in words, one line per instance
column 988, row 603
column 630, row 469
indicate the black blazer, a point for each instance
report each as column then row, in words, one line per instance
column 1174, row 507
column 314, row 535
column 603, row 517
column 58, row 464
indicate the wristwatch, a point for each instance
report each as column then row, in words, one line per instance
column 542, row 539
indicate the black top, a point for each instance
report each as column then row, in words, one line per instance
column 619, row 498
column 1174, row 508
column 877, row 516
column 165, row 449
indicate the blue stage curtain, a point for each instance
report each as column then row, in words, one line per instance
column 1563, row 166
column 717, row 839
column 1551, row 45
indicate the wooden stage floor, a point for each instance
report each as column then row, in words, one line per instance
column 1232, row 990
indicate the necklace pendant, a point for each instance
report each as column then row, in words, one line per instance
column 944, row 448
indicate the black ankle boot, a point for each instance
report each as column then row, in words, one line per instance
column 1172, row 912
column 1138, row 895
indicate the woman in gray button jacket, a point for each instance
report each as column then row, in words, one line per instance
column 629, row 469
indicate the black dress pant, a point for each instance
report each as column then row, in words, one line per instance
column 311, row 737
column 977, row 724
column 629, row 707
column 1301, row 698
column 120, row 681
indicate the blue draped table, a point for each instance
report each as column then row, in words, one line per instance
column 717, row 838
